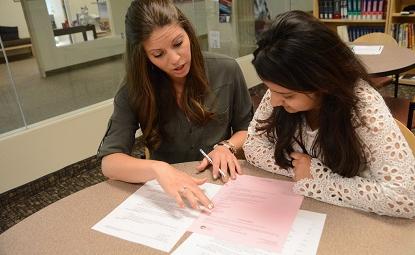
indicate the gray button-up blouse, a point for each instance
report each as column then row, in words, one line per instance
column 229, row 99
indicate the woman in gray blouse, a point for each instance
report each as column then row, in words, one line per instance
column 181, row 99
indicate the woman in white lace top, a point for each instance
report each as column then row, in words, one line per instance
column 321, row 123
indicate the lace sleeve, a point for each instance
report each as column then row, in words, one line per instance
column 387, row 185
column 259, row 151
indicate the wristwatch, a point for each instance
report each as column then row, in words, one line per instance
column 227, row 144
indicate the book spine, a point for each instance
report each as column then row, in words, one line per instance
column 336, row 9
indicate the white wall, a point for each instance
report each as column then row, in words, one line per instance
column 229, row 44
column 196, row 12
column 11, row 14
column 279, row 6
column 117, row 10
column 304, row 5
column 51, row 145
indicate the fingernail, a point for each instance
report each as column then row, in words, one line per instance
column 204, row 209
column 215, row 177
column 210, row 206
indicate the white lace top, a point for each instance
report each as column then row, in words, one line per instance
column 386, row 186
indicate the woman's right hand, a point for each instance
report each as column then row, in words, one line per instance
column 180, row 185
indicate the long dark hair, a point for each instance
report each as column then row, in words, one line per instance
column 143, row 78
column 300, row 53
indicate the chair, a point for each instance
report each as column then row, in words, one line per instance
column 146, row 153
column 248, row 70
column 382, row 38
column 409, row 136
column 251, row 78
column 402, row 109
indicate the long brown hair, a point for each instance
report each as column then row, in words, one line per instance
column 300, row 53
column 144, row 78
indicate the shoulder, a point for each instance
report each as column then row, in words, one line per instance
column 372, row 110
column 223, row 71
column 366, row 93
column 218, row 62
column 122, row 93
column 122, row 97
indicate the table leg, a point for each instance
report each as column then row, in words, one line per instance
column 84, row 35
column 396, row 85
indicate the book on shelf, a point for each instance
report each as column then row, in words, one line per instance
column 404, row 34
column 352, row 9
column 350, row 33
column 358, row 31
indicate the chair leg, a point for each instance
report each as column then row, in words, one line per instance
column 396, row 85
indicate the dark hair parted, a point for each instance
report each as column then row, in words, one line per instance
column 300, row 53
column 143, row 78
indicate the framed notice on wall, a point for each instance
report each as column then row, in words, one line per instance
column 225, row 11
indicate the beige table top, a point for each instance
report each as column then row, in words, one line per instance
column 392, row 60
column 64, row 227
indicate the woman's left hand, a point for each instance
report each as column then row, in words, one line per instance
column 301, row 166
column 222, row 158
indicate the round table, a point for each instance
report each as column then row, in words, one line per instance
column 392, row 60
column 64, row 227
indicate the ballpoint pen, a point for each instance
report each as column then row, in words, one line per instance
column 210, row 161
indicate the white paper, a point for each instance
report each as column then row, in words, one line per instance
column 214, row 39
column 150, row 217
column 367, row 49
column 303, row 239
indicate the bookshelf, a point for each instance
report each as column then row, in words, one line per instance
column 395, row 17
column 370, row 21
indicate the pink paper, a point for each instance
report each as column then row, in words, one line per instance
column 253, row 211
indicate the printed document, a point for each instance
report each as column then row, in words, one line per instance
column 252, row 210
column 303, row 239
column 367, row 49
column 150, row 217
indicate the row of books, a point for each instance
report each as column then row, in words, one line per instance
column 350, row 33
column 404, row 34
column 352, row 9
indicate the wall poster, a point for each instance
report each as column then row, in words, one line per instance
column 225, row 11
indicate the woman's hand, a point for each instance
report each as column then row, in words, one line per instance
column 180, row 185
column 301, row 165
column 222, row 158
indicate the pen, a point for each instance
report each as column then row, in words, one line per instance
column 210, row 161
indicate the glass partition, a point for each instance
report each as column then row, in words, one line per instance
column 11, row 114
column 58, row 65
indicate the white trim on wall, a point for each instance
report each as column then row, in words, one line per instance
column 50, row 145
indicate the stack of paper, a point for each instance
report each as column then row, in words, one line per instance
column 252, row 215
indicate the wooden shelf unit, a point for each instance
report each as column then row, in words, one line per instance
column 395, row 15
column 333, row 23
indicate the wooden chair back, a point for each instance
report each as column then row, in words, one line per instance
column 409, row 136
